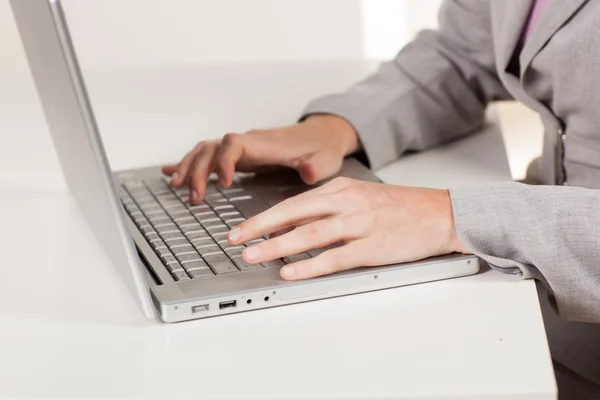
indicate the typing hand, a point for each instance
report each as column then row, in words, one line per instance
column 315, row 148
column 377, row 225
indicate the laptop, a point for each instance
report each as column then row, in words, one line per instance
column 174, row 257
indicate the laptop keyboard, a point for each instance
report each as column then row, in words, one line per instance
column 192, row 240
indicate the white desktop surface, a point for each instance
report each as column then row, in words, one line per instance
column 69, row 328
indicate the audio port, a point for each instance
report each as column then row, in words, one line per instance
column 267, row 298
column 249, row 301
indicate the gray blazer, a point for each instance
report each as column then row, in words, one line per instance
column 436, row 90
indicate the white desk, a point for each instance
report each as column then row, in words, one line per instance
column 69, row 329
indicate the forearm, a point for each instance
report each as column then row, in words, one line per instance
column 434, row 91
column 543, row 232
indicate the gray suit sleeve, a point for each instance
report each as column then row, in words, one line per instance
column 548, row 233
column 435, row 90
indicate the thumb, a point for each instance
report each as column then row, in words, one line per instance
column 317, row 167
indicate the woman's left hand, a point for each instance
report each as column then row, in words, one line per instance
column 376, row 224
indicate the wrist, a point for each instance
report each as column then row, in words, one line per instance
column 454, row 245
column 343, row 132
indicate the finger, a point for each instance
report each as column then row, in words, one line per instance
column 203, row 166
column 169, row 170
column 180, row 175
column 333, row 186
column 317, row 167
column 230, row 152
column 281, row 232
column 315, row 235
column 285, row 214
column 342, row 258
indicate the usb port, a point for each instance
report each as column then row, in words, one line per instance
column 200, row 308
column 227, row 304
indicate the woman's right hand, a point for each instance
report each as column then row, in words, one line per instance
column 315, row 148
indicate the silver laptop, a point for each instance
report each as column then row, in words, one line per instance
column 174, row 257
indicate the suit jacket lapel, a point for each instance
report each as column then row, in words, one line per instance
column 514, row 15
column 554, row 17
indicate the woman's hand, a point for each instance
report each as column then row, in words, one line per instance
column 376, row 224
column 315, row 148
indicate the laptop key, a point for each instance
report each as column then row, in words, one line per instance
column 217, row 228
column 181, row 276
column 179, row 212
column 160, row 220
column 176, row 242
column 210, row 221
column 232, row 223
column 185, row 222
column 201, row 241
column 200, row 207
column 147, row 229
column 148, row 211
column 192, row 227
column 296, row 258
column 201, row 233
column 208, row 248
column 204, row 215
column 194, row 264
column 233, row 192
column 168, row 199
column 171, row 235
column 174, row 207
column 133, row 185
column 184, row 216
column 162, row 251
column 228, row 213
column 218, row 236
column 220, row 256
column 167, row 229
column 174, row 266
column 156, row 242
column 243, row 265
column 158, row 212
column 185, row 249
column 215, row 202
column 273, row 264
column 151, row 236
column 243, row 197
column 201, row 273
column 223, row 267
column 168, row 258
column 136, row 214
column 223, row 207
column 188, row 257
column 233, row 251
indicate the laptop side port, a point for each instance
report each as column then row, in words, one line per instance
column 227, row 304
column 200, row 308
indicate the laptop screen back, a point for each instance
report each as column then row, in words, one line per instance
column 61, row 89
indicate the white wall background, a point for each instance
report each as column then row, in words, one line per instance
column 118, row 33
column 111, row 33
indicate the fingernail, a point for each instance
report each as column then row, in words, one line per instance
column 222, row 183
column 235, row 234
column 253, row 253
column 194, row 196
column 175, row 177
column 287, row 272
